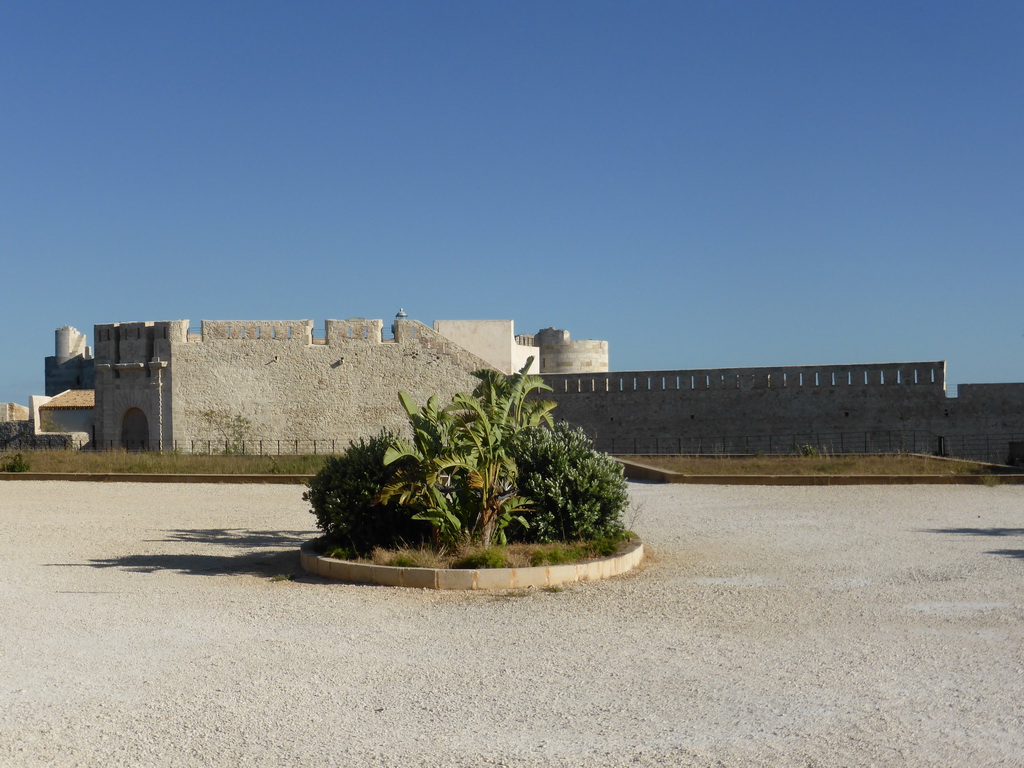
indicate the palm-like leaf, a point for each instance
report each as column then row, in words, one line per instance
column 458, row 471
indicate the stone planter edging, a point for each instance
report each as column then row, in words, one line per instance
column 483, row 578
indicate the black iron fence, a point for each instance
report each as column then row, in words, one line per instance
column 314, row 447
column 994, row 448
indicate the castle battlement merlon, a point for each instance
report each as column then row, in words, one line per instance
column 138, row 342
column 923, row 375
column 299, row 331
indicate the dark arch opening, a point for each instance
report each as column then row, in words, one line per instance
column 134, row 430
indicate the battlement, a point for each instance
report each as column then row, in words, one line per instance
column 300, row 331
column 137, row 342
column 930, row 375
column 297, row 331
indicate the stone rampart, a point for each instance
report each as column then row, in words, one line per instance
column 19, row 436
column 157, row 385
column 344, row 387
column 747, row 401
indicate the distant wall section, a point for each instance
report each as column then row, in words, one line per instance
column 749, row 401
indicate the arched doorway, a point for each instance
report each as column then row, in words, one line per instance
column 134, row 430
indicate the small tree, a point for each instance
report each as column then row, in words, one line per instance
column 459, row 472
column 233, row 429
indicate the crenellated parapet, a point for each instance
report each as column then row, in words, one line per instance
column 354, row 329
column 930, row 375
column 298, row 331
column 755, row 401
column 118, row 343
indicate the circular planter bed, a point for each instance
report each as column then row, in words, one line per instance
column 483, row 578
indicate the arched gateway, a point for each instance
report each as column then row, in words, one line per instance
column 134, row 430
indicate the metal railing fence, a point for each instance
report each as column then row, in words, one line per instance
column 992, row 447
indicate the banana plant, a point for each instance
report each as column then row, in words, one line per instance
column 458, row 472
column 489, row 423
column 423, row 478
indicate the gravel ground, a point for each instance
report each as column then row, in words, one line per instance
column 142, row 625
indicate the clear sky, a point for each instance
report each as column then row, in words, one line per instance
column 702, row 184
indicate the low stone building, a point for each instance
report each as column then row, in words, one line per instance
column 70, row 412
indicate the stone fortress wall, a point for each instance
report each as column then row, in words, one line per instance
column 725, row 402
column 275, row 374
column 154, row 381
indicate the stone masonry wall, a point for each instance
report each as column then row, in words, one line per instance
column 341, row 388
column 18, row 436
column 872, row 399
column 747, row 401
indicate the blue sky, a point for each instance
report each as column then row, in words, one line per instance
column 701, row 184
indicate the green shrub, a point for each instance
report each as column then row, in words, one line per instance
column 15, row 463
column 342, row 496
column 575, row 492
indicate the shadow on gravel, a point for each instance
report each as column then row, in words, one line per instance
column 978, row 531
column 239, row 537
column 279, row 556
column 1013, row 553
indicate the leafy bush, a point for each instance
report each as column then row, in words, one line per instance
column 343, row 496
column 575, row 492
column 15, row 463
column 458, row 472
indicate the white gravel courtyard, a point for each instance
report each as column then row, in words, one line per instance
column 791, row 626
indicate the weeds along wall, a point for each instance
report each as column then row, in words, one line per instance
column 783, row 400
column 155, row 381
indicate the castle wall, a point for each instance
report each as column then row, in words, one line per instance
column 20, row 436
column 752, row 401
column 341, row 388
column 994, row 408
column 291, row 384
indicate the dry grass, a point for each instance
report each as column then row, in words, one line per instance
column 510, row 556
column 168, row 463
column 174, row 463
column 846, row 464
